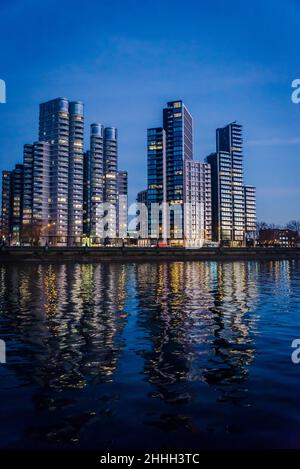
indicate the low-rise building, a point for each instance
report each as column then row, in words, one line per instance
column 281, row 237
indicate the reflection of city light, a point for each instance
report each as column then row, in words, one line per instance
column 194, row 319
column 51, row 293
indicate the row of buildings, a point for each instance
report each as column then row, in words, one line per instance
column 195, row 202
column 62, row 194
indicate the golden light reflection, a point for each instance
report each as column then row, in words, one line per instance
column 50, row 291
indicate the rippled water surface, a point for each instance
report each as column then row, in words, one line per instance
column 150, row 355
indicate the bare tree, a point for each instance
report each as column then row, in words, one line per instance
column 261, row 225
column 31, row 233
column 294, row 225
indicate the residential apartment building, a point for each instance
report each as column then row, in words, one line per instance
column 61, row 124
column 110, row 181
column 228, row 196
column 197, row 203
column 156, row 177
column 250, row 210
column 122, row 206
column 94, row 182
column 142, row 214
column 36, row 190
column 6, row 205
column 178, row 125
column 16, row 202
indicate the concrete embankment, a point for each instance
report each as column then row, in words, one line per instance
column 131, row 254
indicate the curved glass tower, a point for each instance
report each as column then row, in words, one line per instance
column 93, row 180
column 61, row 124
column 111, row 179
column 75, row 206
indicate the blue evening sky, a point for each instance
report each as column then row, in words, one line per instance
column 125, row 58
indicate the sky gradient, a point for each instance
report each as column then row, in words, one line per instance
column 125, row 59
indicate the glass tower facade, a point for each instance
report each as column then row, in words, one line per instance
column 156, row 176
column 75, row 192
column 101, row 184
column 142, row 214
column 54, row 129
column 16, row 202
column 28, row 162
column 178, row 125
column 122, row 207
column 111, row 180
column 250, row 209
column 197, row 207
column 93, row 180
column 6, row 204
column 168, row 147
column 60, row 192
column 36, row 189
column 228, row 217
column 41, row 184
column 61, row 124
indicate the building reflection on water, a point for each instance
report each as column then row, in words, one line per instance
column 68, row 328
column 201, row 326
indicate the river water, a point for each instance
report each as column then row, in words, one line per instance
column 150, row 355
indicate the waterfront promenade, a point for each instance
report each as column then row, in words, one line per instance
column 98, row 254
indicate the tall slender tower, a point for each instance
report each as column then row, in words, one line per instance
column 156, row 176
column 93, row 180
column 54, row 129
column 250, row 210
column 197, row 203
column 101, row 184
column 142, row 214
column 36, row 193
column 178, row 124
column 17, row 201
column 122, row 207
column 12, row 204
column 6, row 204
column 61, row 125
column 111, row 179
column 41, row 185
column 28, row 163
column 228, row 215
column 168, row 148
column 76, row 150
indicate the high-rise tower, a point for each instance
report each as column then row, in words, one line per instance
column 93, row 180
column 122, row 206
column 61, row 124
column 168, row 148
column 178, row 125
column 197, row 203
column 228, row 199
column 76, row 150
column 6, row 204
column 111, row 180
column 156, row 176
column 36, row 193
column 250, row 210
